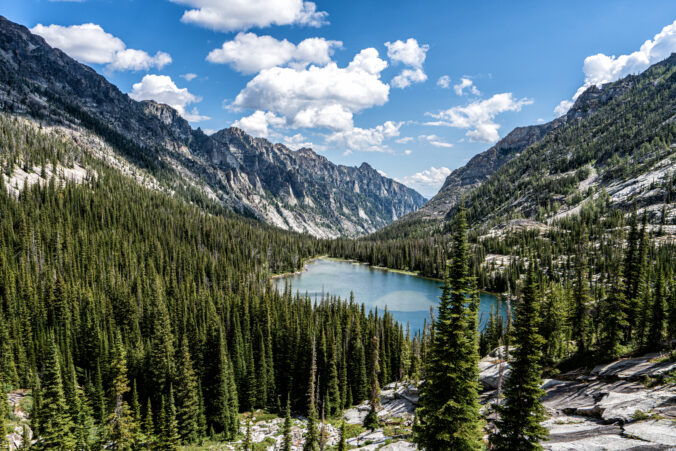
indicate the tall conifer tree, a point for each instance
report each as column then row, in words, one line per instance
column 520, row 415
column 448, row 412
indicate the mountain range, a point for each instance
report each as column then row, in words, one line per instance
column 616, row 145
column 295, row 190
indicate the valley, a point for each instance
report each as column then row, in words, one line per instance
column 166, row 287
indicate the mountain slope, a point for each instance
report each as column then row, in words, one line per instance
column 295, row 190
column 617, row 142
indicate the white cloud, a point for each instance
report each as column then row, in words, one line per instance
column 408, row 152
column 249, row 53
column 233, row 15
column 478, row 116
column 434, row 140
column 89, row 43
column 407, row 77
column 189, row 76
column 404, row 140
column 409, row 53
column 444, row 81
column 318, row 97
column 162, row 89
column 259, row 123
column 428, row 181
column 466, row 83
column 298, row 141
column 600, row 68
column 366, row 139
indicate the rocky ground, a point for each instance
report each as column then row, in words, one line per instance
column 629, row 404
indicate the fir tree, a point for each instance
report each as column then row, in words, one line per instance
column 657, row 315
column 120, row 424
column 333, row 401
column 342, row 445
column 187, row 398
column 521, row 413
column 168, row 437
column 311, row 437
column 613, row 318
column 4, row 411
column 448, row 412
column 371, row 419
column 248, row 444
column 56, row 427
column 287, row 442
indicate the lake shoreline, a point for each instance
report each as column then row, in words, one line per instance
column 357, row 262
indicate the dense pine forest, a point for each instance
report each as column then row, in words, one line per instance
column 138, row 319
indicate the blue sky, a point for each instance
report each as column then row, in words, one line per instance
column 321, row 74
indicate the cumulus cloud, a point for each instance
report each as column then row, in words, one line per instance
column 259, row 123
column 600, row 68
column 428, row 181
column 409, row 53
column 249, row 53
column 162, row 89
column 365, row 139
column 318, row 97
column 298, row 141
column 404, row 140
column 478, row 116
column 466, row 83
column 408, row 152
column 444, row 81
column 407, row 77
column 89, row 43
column 233, row 15
column 189, row 76
column 435, row 141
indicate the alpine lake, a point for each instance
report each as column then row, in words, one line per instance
column 406, row 296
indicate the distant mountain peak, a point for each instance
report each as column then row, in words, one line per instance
column 296, row 190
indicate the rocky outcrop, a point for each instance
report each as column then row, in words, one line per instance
column 295, row 190
column 604, row 409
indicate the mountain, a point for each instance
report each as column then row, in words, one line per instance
column 615, row 145
column 294, row 190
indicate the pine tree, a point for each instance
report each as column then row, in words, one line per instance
column 149, row 426
column 287, row 442
column 56, row 427
column 248, row 444
column 657, row 315
column 580, row 311
column 333, row 401
column 4, row 411
column 168, row 437
column 162, row 345
column 371, row 419
column 448, row 412
column 342, row 445
column 187, row 398
column 311, row 437
column 137, row 433
column 521, row 413
column 613, row 318
column 357, row 364
column 120, row 423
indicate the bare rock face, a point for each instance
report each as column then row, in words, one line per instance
column 294, row 190
column 605, row 409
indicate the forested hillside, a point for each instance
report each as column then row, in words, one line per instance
column 137, row 318
column 293, row 190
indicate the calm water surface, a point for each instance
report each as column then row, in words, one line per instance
column 409, row 298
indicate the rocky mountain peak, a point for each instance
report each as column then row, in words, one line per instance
column 297, row 190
